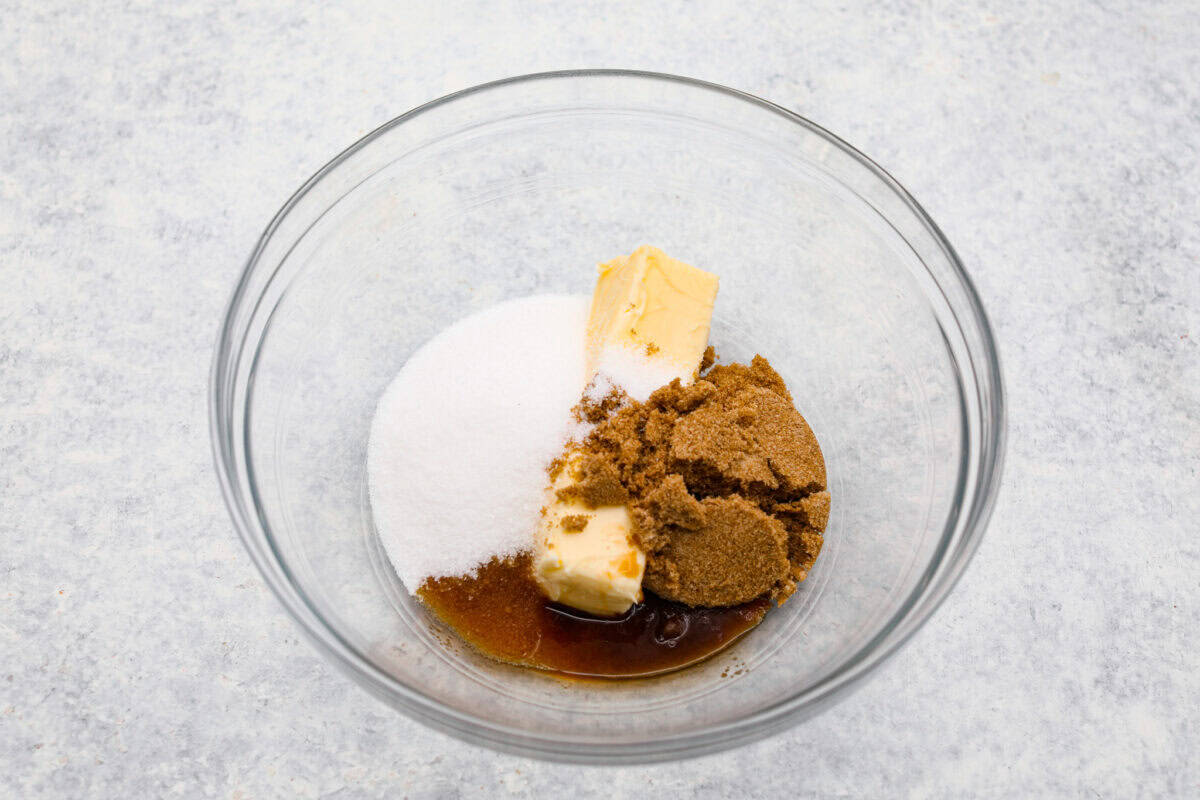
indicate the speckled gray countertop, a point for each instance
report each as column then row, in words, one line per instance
column 146, row 145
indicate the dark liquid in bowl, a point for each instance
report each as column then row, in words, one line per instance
column 501, row 612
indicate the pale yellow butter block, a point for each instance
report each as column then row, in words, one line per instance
column 597, row 569
column 654, row 306
column 649, row 324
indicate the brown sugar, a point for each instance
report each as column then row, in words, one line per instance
column 592, row 409
column 598, row 484
column 574, row 523
column 751, row 440
column 672, row 504
column 725, row 479
column 737, row 554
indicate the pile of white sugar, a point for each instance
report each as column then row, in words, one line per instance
column 463, row 435
column 634, row 372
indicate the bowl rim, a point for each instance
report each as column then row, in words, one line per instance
column 899, row 630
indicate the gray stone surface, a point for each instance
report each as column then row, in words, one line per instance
column 146, row 145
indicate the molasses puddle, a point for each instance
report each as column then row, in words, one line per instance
column 502, row 613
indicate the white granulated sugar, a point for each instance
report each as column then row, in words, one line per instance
column 636, row 373
column 600, row 387
column 462, row 436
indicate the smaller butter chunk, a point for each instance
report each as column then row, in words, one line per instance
column 584, row 555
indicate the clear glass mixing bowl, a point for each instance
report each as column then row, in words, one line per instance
column 827, row 267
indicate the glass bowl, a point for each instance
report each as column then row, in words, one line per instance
column 518, row 187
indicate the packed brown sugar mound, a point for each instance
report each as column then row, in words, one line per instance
column 725, row 479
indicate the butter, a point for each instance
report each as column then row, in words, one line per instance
column 655, row 308
column 585, row 557
column 649, row 324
